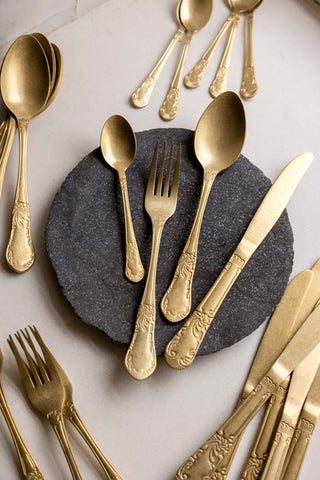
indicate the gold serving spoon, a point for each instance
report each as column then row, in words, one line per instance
column 218, row 142
column 118, row 146
column 141, row 97
column 194, row 15
column 25, row 88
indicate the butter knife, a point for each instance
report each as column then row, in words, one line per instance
column 204, row 462
column 183, row 347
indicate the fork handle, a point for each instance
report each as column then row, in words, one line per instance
column 5, row 151
column 249, row 87
column 73, row 416
column 57, row 423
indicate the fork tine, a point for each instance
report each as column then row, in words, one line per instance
column 47, row 355
column 24, row 370
column 175, row 181
column 39, row 360
column 153, row 172
column 32, row 365
column 160, row 177
column 167, row 181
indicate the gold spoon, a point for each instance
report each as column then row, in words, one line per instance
column 220, row 82
column 194, row 15
column 49, row 52
column 118, row 146
column 249, row 87
column 218, row 142
column 141, row 97
column 25, row 87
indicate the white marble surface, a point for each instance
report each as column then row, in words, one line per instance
column 147, row 429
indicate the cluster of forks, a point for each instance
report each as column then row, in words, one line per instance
column 49, row 391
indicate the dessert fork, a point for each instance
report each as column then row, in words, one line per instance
column 160, row 203
column 45, row 391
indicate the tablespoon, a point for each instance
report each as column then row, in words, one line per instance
column 48, row 50
column 141, row 97
column 118, row 146
column 25, row 88
column 218, row 142
column 194, row 15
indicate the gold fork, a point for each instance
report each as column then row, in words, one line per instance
column 160, row 203
column 45, row 391
column 29, row 467
column 70, row 412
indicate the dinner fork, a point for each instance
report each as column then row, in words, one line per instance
column 160, row 203
column 69, row 410
column 45, row 392
column 29, row 467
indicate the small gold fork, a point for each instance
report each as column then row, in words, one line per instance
column 160, row 203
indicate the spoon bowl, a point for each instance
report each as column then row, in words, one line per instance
column 241, row 6
column 220, row 133
column 195, row 14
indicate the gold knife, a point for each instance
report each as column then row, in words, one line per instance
column 204, row 462
column 183, row 347
column 278, row 332
column 311, row 293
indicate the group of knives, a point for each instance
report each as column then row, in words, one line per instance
column 285, row 375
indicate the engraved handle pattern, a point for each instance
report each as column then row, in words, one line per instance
column 278, row 452
column 249, row 87
column 20, row 251
column 141, row 97
column 220, row 82
column 205, row 461
column 301, row 439
column 73, row 416
column 183, row 347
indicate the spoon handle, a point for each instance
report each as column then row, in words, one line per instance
column 28, row 465
column 141, row 97
column 249, row 87
column 141, row 357
column 220, row 82
column 194, row 78
column 169, row 108
column 176, row 302
column 134, row 269
column 20, row 252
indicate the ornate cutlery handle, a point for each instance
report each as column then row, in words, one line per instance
column 73, row 416
column 183, row 347
column 29, row 467
column 278, row 452
column 169, row 108
column 176, row 302
column 56, row 420
column 6, row 146
column 194, row 78
column 134, row 269
column 141, row 357
column 204, row 462
column 141, row 97
column 249, row 87
column 20, row 252
column 220, row 82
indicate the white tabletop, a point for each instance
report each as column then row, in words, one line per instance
column 149, row 428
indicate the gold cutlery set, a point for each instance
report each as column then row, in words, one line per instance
column 31, row 75
column 49, row 392
column 192, row 15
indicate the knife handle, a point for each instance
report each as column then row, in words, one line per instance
column 183, row 347
column 204, row 462
column 278, row 452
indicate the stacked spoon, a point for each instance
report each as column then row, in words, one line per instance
column 31, row 75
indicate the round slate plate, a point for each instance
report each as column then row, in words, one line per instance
column 85, row 242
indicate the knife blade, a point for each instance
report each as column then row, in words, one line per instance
column 204, row 462
column 183, row 347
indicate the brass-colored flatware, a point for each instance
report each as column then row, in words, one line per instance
column 6, row 141
column 194, row 15
column 142, row 96
column 160, row 204
column 118, row 147
column 28, row 465
column 25, row 97
column 51, row 57
column 183, row 347
column 300, row 299
column 58, row 78
column 223, row 118
column 249, row 86
column 204, row 462
column 69, row 409
column 44, row 390
column 280, row 329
